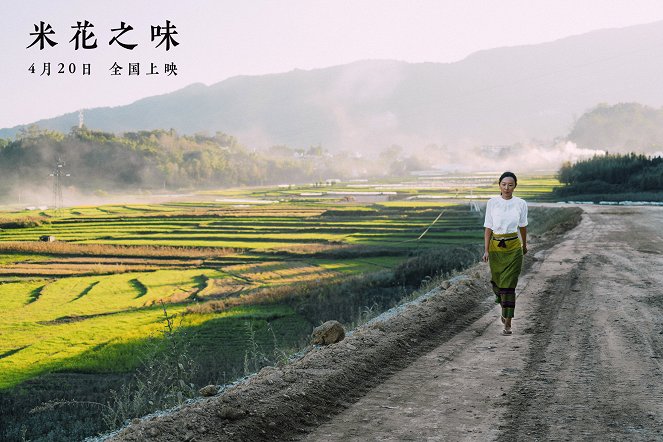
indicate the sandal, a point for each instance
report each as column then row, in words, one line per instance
column 507, row 331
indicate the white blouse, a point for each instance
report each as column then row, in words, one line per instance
column 505, row 216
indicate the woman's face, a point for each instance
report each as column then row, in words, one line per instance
column 506, row 187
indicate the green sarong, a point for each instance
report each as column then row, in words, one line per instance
column 505, row 256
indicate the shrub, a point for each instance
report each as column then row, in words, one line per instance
column 436, row 262
column 164, row 380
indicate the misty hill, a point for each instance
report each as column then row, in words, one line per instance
column 623, row 128
column 498, row 96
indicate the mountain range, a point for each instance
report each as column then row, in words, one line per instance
column 493, row 97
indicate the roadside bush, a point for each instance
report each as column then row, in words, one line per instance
column 436, row 262
column 163, row 381
column 550, row 219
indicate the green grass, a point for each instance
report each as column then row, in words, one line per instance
column 105, row 343
column 14, row 258
column 209, row 332
column 59, row 323
column 355, row 266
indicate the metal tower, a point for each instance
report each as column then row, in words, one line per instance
column 58, row 174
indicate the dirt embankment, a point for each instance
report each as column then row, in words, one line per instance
column 443, row 370
column 279, row 403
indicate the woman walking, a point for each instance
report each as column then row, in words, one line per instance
column 506, row 215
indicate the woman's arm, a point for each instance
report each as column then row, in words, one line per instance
column 486, row 243
column 523, row 236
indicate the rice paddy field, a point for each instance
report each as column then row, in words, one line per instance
column 87, row 302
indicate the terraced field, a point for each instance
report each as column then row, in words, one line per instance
column 274, row 228
column 96, row 284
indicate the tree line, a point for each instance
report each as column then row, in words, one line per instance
column 163, row 159
column 156, row 159
column 612, row 174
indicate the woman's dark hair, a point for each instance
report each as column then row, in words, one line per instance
column 506, row 175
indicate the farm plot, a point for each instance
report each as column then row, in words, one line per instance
column 111, row 267
column 268, row 231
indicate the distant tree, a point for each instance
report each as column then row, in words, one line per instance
column 612, row 173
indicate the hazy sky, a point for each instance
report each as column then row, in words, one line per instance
column 219, row 39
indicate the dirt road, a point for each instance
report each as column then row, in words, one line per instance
column 584, row 362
